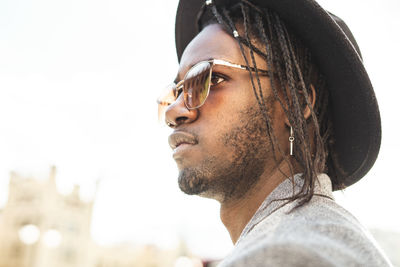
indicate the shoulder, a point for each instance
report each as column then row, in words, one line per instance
column 277, row 254
column 320, row 233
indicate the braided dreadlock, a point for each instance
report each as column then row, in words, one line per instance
column 290, row 64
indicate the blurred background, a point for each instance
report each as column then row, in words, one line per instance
column 86, row 174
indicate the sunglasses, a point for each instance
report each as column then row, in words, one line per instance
column 195, row 85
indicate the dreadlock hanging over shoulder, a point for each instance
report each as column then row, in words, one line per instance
column 290, row 64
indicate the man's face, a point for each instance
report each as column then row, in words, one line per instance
column 222, row 147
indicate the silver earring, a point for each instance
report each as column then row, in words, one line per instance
column 291, row 140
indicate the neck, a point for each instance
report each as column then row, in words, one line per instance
column 236, row 213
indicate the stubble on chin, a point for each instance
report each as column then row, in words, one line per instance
column 195, row 180
column 231, row 177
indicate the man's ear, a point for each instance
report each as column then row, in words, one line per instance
column 307, row 111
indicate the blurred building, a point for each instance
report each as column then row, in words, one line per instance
column 39, row 227
column 127, row 255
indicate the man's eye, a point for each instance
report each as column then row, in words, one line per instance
column 216, row 79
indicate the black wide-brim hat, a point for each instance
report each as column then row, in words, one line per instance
column 355, row 112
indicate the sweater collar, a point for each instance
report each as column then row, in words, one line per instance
column 289, row 187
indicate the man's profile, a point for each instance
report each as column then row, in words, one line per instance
column 272, row 109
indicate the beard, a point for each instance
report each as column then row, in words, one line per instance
column 231, row 177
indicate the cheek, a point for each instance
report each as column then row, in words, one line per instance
column 227, row 128
column 223, row 111
column 231, row 98
column 224, row 108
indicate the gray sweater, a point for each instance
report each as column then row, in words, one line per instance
column 320, row 233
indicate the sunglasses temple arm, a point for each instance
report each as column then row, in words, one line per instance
column 243, row 67
column 261, row 71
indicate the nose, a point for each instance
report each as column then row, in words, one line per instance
column 177, row 113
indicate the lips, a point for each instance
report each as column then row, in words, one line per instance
column 178, row 138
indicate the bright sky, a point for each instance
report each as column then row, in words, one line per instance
column 78, row 83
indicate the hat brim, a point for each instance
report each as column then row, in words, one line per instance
column 355, row 112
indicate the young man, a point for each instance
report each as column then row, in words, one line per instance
column 272, row 109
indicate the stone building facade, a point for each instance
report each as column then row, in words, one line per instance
column 39, row 227
column 62, row 223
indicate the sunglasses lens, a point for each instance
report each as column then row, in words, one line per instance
column 166, row 98
column 197, row 84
